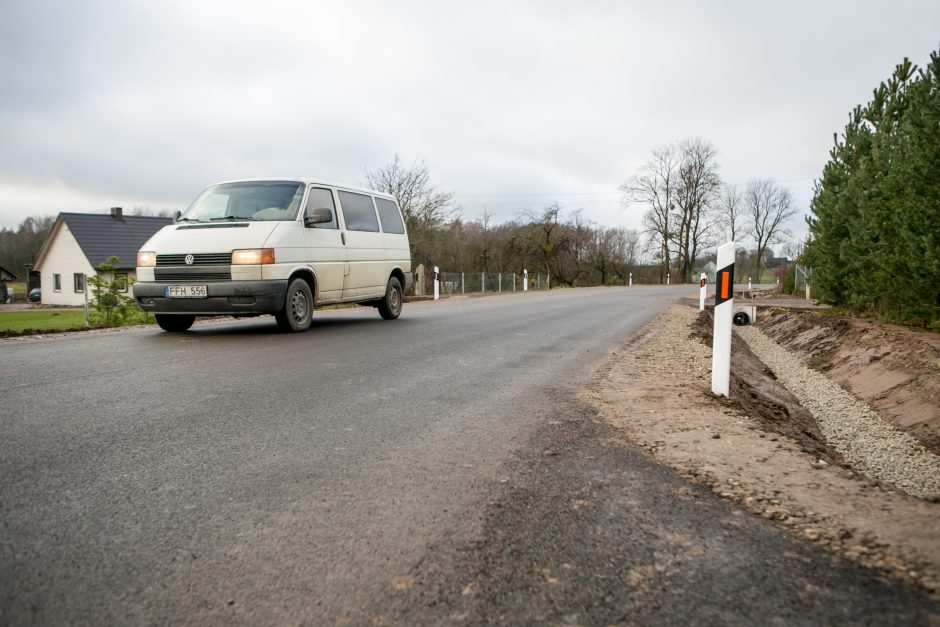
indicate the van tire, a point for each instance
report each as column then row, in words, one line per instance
column 174, row 323
column 390, row 306
column 297, row 313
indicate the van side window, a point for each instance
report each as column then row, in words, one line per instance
column 359, row 212
column 390, row 216
column 320, row 198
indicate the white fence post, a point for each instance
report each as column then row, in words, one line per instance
column 724, row 312
column 437, row 283
column 85, row 289
column 701, row 292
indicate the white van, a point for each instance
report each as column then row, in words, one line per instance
column 276, row 246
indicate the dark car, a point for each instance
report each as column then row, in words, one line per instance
column 35, row 295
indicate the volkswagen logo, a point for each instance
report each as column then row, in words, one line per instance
column 189, row 259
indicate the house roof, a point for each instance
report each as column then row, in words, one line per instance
column 6, row 275
column 103, row 235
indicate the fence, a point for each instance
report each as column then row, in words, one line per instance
column 803, row 277
column 484, row 283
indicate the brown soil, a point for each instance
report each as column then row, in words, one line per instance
column 894, row 370
column 756, row 393
column 759, row 448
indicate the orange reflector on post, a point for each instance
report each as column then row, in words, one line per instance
column 724, row 285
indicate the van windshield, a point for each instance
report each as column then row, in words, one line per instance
column 249, row 200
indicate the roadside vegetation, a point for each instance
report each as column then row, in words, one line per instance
column 58, row 319
column 110, row 306
column 875, row 224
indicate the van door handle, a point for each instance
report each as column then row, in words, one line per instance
column 342, row 234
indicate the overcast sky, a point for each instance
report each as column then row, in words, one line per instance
column 511, row 104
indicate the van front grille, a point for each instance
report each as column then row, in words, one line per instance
column 179, row 274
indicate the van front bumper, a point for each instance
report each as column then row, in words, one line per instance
column 223, row 297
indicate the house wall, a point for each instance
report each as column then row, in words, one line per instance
column 64, row 257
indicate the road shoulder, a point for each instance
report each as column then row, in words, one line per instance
column 655, row 392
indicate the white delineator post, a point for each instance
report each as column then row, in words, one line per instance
column 437, row 283
column 630, row 284
column 525, row 280
column 701, row 292
column 85, row 289
column 724, row 312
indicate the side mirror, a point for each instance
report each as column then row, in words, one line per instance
column 320, row 215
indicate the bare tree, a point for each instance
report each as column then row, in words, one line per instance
column 150, row 212
column 425, row 208
column 655, row 188
column 732, row 210
column 768, row 206
column 612, row 252
column 696, row 195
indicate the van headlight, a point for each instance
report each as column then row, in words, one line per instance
column 146, row 259
column 252, row 256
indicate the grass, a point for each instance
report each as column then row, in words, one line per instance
column 41, row 320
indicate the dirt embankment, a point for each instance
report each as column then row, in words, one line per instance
column 894, row 370
column 760, row 448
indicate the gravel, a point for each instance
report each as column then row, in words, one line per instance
column 870, row 445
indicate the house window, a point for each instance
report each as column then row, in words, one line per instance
column 121, row 279
column 79, row 280
column 56, row 282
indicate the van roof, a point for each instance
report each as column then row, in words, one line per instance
column 310, row 181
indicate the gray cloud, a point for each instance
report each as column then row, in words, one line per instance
column 511, row 104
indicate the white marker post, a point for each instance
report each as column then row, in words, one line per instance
column 724, row 311
column 85, row 289
column 667, row 279
column 630, row 283
column 525, row 280
column 437, row 283
column 701, row 292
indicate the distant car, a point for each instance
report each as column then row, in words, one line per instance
column 35, row 295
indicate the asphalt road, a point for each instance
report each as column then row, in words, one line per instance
column 365, row 472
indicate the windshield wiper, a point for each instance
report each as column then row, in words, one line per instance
column 188, row 220
column 232, row 219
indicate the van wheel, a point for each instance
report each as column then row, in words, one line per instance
column 298, row 308
column 174, row 323
column 390, row 306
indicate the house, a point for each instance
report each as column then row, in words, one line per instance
column 5, row 276
column 79, row 242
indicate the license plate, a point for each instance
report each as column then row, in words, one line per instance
column 185, row 291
